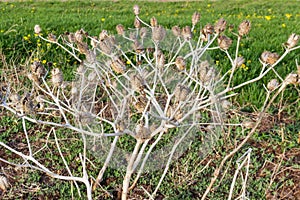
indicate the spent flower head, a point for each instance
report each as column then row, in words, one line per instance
column 176, row 31
column 220, row 26
column 272, row 85
column 244, row 28
column 195, row 18
column 224, row 42
column 153, row 22
column 292, row 41
column 158, row 33
column 269, row 58
column 186, row 33
column 37, row 29
column 136, row 9
column 120, row 29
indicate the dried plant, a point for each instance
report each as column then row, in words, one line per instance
column 147, row 81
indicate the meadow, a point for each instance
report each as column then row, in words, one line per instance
column 275, row 156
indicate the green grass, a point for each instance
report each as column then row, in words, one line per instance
column 272, row 23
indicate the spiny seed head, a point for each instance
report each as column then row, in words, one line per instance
column 57, row 77
column 38, row 69
column 142, row 132
column 120, row 29
column 291, row 79
column 206, row 31
column 143, row 32
column 206, row 72
column 37, row 29
column 272, row 85
column 158, row 33
column 220, row 26
column 195, row 18
column 51, row 37
column 71, row 37
column 161, row 60
column 244, row 28
column 136, row 9
column 138, row 47
column 269, row 58
column 137, row 82
column 239, row 61
column 103, row 35
column 137, row 23
column 180, row 63
column 83, row 47
column 118, row 66
column 153, row 22
column 140, row 105
column 292, row 41
column 224, row 42
column 78, row 36
column 176, row 31
column 181, row 93
column 186, row 33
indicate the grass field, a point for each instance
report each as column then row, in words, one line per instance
column 275, row 162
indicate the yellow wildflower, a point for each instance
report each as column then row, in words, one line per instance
column 283, row 25
column 288, row 15
column 103, row 19
column 128, row 62
column 44, row 61
column 268, row 17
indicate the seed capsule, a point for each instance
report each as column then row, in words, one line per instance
column 272, row 85
column 118, row 66
column 51, row 37
column 158, row 33
column 244, row 28
column 153, row 22
column 291, row 79
column 57, row 77
column 120, row 29
column 181, row 93
column 186, row 33
column 269, row 58
column 137, row 82
column 220, row 26
column 292, row 41
column 142, row 132
column 136, row 9
column 195, row 18
column 137, row 23
column 176, row 31
column 224, row 42
column 239, row 61
column 180, row 63
column 37, row 29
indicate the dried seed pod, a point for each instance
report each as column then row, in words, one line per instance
column 118, row 66
column 244, row 28
column 15, row 98
column 195, row 18
column 52, row 37
column 181, row 93
column 71, row 37
column 57, row 77
column 158, row 33
column 105, row 47
column 269, row 58
column 37, row 29
column 27, row 104
column 206, row 73
column 79, row 36
column 137, row 23
column 239, row 61
column 224, row 42
column 137, row 82
column 226, row 104
column 143, row 32
column 161, row 61
column 140, row 105
column 38, row 69
column 82, row 47
column 142, row 132
column 174, row 114
column 136, row 9
column 272, row 85
column 180, row 63
column 220, row 26
column 103, row 35
column 120, row 29
column 206, row 31
column 176, row 31
column 34, row 78
column 186, row 33
column 138, row 47
column 291, row 79
column 292, row 41
column 153, row 22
